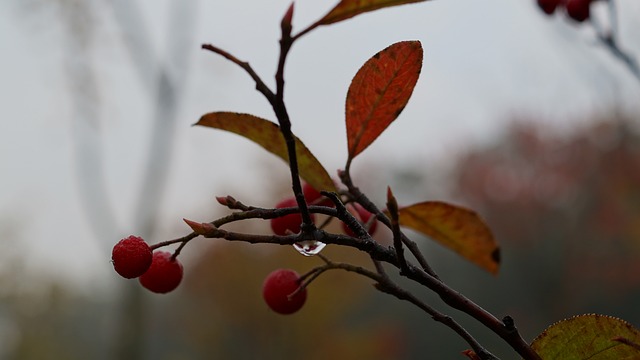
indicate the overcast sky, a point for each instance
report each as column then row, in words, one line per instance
column 484, row 62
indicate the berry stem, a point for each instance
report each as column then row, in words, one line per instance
column 185, row 239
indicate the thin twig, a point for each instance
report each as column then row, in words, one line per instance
column 183, row 240
column 458, row 301
column 390, row 288
column 392, row 206
column 363, row 200
column 609, row 41
column 282, row 115
column 386, row 285
column 233, row 204
column 608, row 38
column 260, row 85
column 346, row 217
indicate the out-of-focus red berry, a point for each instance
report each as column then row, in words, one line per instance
column 314, row 197
column 578, row 10
column 278, row 288
column 548, row 6
column 282, row 225
column 164, row 275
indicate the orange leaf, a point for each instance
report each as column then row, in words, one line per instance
column 457, row 228
column 380, row 91
column 267, row 134
column 589, row 336
column 349, row 8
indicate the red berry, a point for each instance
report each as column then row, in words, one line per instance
column 314, row 197
column 363, row 217
column 548, row 6
column 164, row 275
column 578, row 10
column 282, row 225
column 278, row 288
column 131, row 257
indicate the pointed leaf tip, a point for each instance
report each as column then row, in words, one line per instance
column 379, row 92
column 349, row 8
column 456, row 228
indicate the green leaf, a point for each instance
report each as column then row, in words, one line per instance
column 455, row 227
column 379, row 92
column 349, row 8
column 591, row 336
column 267, row 134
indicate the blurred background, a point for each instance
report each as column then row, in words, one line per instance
column 525, row 118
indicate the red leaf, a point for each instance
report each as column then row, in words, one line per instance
column 380, row 91
column 349, row 8
column 267, row 134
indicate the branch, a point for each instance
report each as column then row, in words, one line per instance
column 386, row 285
column 346, row 217
column 280, row 110
column 363, row 200
column 427, row 277
column 506, row 330
column 610, row 42
column 277, row 103
column 390, row 288
column 609, row 39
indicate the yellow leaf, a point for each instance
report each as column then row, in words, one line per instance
column 455, row 227
column 267, row 134
column 591, row 336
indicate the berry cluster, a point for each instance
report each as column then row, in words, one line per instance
column 578, row 10
column 157, row 271
column 160, row 271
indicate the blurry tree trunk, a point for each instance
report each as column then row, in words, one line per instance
column 163, row 81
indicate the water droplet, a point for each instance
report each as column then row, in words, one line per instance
column 309, row 247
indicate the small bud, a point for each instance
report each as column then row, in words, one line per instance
column 392, row 203
column 286, row 19
column 200, row 228
column 222, row 200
